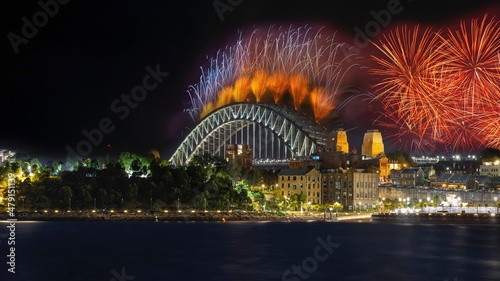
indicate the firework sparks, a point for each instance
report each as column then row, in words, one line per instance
column 438, row 86
column 303, row 63
column 472, row 63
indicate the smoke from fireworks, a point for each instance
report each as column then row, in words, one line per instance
column 308, row 65
column 443, row 87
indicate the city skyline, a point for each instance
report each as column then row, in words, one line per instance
column 77, row 71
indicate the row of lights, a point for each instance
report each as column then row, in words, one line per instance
column 138, row 211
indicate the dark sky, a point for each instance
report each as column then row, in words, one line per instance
column 65, row 78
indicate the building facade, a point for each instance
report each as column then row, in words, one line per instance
column 337, row 187
column 491, row 169
column 365, row 191
column 356, row 191
column 301, row 181
column 413, row 176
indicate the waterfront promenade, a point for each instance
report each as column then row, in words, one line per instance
column 187, row 216
column 439, row 218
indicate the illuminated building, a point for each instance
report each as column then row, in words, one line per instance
column 239, row 155
column 337, row 141
column 373, row 144
column 491, row 169
column 301, row 181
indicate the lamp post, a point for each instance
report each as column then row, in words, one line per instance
column 95, row 203
column 428, row 207
column 496, row 207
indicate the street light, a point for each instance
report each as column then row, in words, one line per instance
column 496, row 207
column 381, row 205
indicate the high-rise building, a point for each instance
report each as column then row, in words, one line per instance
column 373, row 144
column 337, row 141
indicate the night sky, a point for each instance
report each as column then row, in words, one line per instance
column 69, row 74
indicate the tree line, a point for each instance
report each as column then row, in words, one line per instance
column 133, row 182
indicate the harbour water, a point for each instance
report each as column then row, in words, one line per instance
column 119, row 251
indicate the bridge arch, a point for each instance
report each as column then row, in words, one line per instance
column 270, row 130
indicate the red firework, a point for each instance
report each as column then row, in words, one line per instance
column 441, row 88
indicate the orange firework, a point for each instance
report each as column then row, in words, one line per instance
column 258, row 84
column 291, row 62
column 487, row 126
column 241, row 89
column 299, row 87
column 225, row 96
column 471, row 58
column 320, row 103
column 277, row 83
column 409, row 88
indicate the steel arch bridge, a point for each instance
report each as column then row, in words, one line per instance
column 273, row 132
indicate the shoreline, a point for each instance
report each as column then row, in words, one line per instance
column 182, row 217
column 423, row 218
column 439, row 218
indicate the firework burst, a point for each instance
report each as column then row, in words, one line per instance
column 438, row 85
column 471, row 57
column 306, row 64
